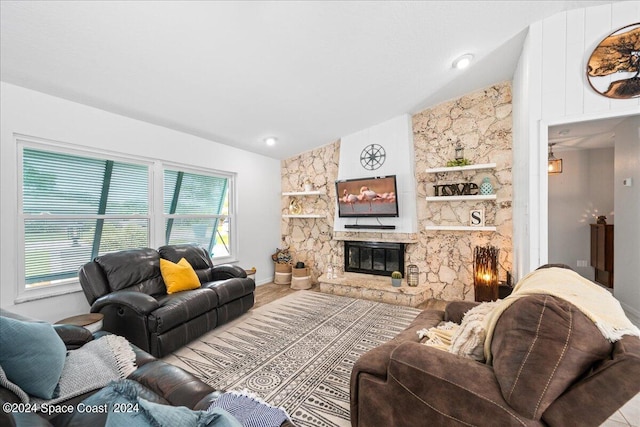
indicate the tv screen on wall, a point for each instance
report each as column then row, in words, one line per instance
column 367, row 197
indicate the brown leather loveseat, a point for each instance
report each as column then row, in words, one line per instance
column 128, row 289
column 551, row 366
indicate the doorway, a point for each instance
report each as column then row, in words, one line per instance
column 581, row 195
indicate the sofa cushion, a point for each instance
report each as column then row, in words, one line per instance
column 196, row 255
column 181, row 307
column 178, row 276
column 32, row 356
column 231, row 289
column 541, row 345
column 139, row 267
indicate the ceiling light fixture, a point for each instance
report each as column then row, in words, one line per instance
column 554, row 165
column 463, row 61
column 270, row 141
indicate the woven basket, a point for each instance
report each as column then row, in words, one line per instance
column 301, row 272
column 303, row 282
column 282, row 268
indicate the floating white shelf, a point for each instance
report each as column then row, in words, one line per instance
column 457, row 198
column 302, row 193
column 462, row 168
column 458, row 228
column 304, row 216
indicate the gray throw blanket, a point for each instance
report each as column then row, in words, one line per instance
column 92, row 366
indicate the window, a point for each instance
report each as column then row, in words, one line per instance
column 196, row 210
column 78, row 205
column 75, row 208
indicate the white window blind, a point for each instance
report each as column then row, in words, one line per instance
column 75, row 208
column 196, row 208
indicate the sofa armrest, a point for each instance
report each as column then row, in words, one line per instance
column 206, row 401
column 227, row 271
column 427, row 386
column 73, row 336
column 172, row 383
column 139, row 302
column 455, row 310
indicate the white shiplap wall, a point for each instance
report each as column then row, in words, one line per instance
column 550, row 87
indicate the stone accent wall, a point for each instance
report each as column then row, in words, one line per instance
column 482, row 122
column 310, row 239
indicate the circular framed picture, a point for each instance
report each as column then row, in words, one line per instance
column 614, row 65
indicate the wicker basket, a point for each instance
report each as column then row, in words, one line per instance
column 301, row 278
column 282, row 274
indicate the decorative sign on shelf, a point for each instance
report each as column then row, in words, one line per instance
column 476, row 217
column 460, row 189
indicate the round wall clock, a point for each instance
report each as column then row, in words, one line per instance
column 372, row 156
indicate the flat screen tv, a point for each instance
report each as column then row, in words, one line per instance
column 367, row 197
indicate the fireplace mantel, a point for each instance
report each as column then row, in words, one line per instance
column 358, row 236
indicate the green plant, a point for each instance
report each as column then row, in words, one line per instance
column 396, row 275
column 461, row 162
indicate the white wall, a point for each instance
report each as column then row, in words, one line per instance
column 626, row 237
column 35, row 114
column 581, row 192
column 396, row 136
column 550, row 87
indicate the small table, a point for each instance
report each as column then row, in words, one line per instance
column 91, row 321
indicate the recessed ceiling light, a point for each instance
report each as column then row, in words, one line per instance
column 463, row 61
column 270, row 141
column 564, row 132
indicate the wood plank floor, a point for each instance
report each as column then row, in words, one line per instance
column 270, row 292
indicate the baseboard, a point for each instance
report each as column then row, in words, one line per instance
column 632, row 313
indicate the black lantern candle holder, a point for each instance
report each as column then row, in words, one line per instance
column 485, row 273
column 459, row 152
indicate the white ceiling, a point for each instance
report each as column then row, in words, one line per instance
column 237, row 72
column 584, row 135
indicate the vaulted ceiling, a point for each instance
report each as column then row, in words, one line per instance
column 306, row 72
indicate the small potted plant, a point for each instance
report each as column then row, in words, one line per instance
column 396, row 279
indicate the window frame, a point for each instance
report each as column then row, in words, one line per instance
column 155, row 214
column 231, row 195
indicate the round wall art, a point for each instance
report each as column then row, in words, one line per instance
column 372, row 156
column 614, row 65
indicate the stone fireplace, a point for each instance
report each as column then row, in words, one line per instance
column 377, row 258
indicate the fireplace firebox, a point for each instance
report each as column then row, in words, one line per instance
column 379, row 258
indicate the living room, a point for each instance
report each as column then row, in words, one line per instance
column 504, row 121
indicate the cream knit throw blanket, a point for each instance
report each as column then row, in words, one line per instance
column 595, row 302
column 467, row 338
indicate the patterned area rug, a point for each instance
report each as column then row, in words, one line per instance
column 296, row 352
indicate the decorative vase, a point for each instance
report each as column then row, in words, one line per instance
column 486, row 188
column 295, row 207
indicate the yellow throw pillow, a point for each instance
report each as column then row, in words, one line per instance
column 178, row 277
